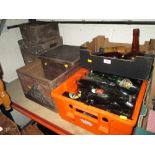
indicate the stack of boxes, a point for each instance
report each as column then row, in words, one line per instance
column 48, row 61
column 38, row 37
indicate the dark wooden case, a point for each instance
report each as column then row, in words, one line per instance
column 38, row 88
column 60, row 59
column 39, row 31
column 30, row 51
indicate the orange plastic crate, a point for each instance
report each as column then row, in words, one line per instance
column 91, row 118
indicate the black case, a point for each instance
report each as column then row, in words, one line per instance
column 139, row 68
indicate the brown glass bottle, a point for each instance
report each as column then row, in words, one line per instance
column 113, row 54
column 135, row 42
column 135, row 51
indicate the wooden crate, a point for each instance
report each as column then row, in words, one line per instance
column 36, row 87
column 39, row 31
column 30, row 51
column 62, row 58
column 102, row 41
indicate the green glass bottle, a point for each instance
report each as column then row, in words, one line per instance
column 114, row 80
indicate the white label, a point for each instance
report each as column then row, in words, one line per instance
column 86, row 122
column 93, row 90
column 106, row 61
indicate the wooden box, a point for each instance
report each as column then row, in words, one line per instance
column 30, row 51
column 36, row 87
column 60, row 59
column 39, row 31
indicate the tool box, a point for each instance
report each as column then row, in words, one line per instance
column 94, row 119
column 139, row 68
column 60, row 59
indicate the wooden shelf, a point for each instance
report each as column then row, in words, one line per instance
column 40, row 114
column 40, row 120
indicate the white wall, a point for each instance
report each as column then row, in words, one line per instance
column 73, row 34
column 11, row 22
column 77, row 34
column 10, row 55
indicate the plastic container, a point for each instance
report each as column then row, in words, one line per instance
column 139, row 68
column 91, row 118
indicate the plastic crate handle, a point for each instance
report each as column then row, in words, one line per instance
column 102, row 122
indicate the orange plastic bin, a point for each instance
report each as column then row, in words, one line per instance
column 91, row 118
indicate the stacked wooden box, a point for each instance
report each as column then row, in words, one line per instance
column 48, row 62
column 37, row 38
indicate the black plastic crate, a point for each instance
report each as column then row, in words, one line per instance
column 139, row 68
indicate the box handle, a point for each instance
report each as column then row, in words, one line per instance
column 89, row 116
column 86, row 110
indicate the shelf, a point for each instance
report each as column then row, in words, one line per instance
column 40, row 114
